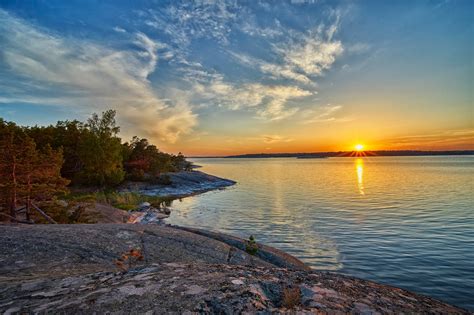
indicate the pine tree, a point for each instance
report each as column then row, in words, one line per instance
column 11, row 151
column 26, row 174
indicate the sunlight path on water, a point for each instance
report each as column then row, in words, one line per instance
column 405, row 221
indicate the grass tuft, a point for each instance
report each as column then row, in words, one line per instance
column 291, row 297
column 121, row 200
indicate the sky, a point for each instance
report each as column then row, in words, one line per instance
column 231, row 77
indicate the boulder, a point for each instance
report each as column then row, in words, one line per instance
column 144, row 205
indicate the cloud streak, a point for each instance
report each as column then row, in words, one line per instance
column 297, row 56
column 327, row 113
column 269, row 101
column 73, row 72
column 275, row 139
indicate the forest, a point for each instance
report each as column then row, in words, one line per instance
column 40, row 162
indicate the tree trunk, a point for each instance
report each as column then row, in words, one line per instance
column 28, row 198
column 13, row 196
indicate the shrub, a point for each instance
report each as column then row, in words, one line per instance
column 291, row 297
column 251, row 246
column 163, row 179
column 129, row 259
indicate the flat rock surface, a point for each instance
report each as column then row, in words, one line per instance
column 70, row 269
column 210, row 288
column 182, row 184
column 43, row 250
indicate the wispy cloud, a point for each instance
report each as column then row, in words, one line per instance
column 312, row 54
column 189, row 20
column 448, row 139
column 358, row 48
column 118, row 29
column 275, row 70
column 269, row 101
column 327, row 113
column 250, row 27
column 297, row 56
column 275, row 139
column 302, row 56
column 46, row 68
column 68, row 71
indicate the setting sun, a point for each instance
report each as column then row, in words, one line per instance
column 359, row 147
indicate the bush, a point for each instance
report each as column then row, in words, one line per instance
column 291, row 297
column 122, row 200
column 136, row 175
column 251, row 246
column 129, row 259
column 163, row 179
column 75, row 212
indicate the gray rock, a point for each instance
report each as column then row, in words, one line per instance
column 71, row 269
column 183, row 184
column 165, row 210
column 206, row 288
column 144, row 205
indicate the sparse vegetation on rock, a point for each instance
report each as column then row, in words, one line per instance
column 129, row 259
column 291, row 297
column 251, row 246
column 37, row 163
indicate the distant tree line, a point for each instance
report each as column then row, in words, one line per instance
column 41, row 161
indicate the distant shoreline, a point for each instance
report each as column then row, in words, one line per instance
column 346, row 154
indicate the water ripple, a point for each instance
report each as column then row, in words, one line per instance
column 404, row 221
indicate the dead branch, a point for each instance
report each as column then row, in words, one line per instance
column 47, row 217
column 15, row 219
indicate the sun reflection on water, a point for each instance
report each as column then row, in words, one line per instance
column 360, row 175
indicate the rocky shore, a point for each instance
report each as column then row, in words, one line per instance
column 154, row 269
column 181, row 184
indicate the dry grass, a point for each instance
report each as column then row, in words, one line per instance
column 121, row 200
column 129, row 259
column 291, row 297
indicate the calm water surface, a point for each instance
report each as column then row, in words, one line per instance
column 404, row 221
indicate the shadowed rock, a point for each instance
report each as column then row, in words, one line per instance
column 71, row 269
column 182, row 184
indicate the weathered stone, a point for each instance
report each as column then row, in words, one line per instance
column 150, row 215
column 144, row 205
column 165, row 210
column 70, row 269
column 163, row 292
column 182, row 184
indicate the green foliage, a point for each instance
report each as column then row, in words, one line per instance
column 27, row 174
column 100, row 152
column 93, row 154
column 37, row 163
column 122, row 200
column 251, row 246
column 75, row 212
column 66, row 135
column 163, row 179
column 144, row 162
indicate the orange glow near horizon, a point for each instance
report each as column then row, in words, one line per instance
column 365, row 142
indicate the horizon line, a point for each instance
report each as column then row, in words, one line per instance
column 341, row 153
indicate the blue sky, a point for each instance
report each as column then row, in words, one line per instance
column 222, row 77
